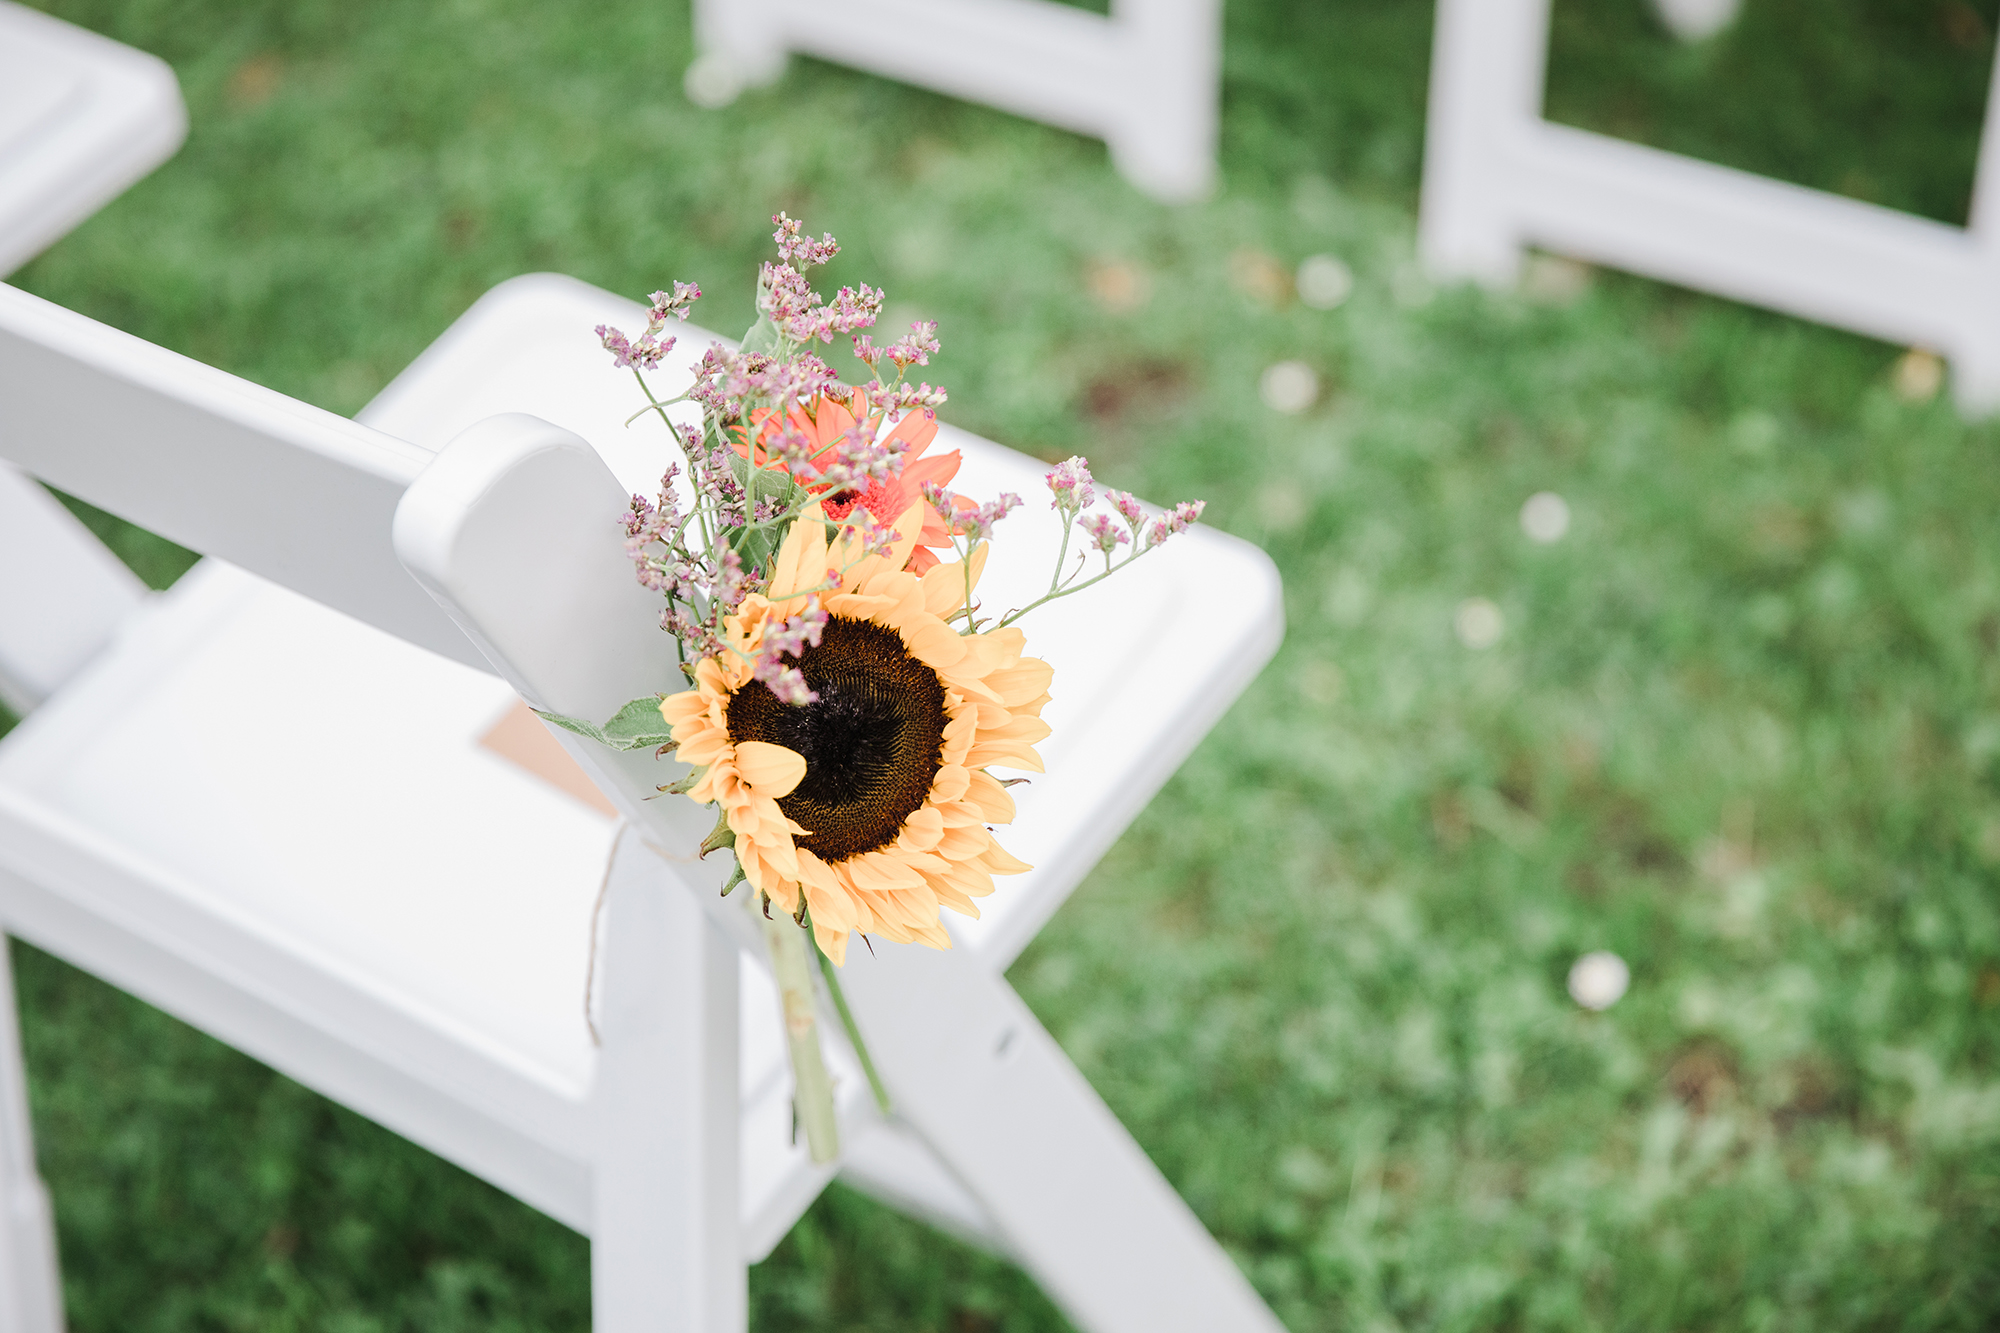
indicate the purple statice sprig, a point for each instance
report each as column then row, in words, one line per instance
column 647, row 350
column 1070, row 483
column 751, row 466
column 964, row 518
column 789, row 641
column 802, row 317
column 969, row 524
column 1104, row 533
column 895, row 398
column 801, row 250
column 1072, row 492
column 860, row 458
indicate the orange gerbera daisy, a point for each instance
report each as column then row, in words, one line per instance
column 825, row 421
column 872, row 802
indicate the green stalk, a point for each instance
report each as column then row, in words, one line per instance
column 832, row 975
column 812, row 1094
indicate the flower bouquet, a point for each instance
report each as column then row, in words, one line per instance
column 847, row 692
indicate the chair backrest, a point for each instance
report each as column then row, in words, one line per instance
column 1498, row 177
column 292, row 493
column 1146, row 78
column 509, row 529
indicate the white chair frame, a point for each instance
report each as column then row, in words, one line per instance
column 1146, row 80
column 996, row 1136
column 1499, row 177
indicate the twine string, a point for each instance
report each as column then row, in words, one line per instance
column 596, row 914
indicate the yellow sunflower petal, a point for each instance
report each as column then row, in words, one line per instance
column 971, row 878
column 769, row 770
column 948, row 896
column 801, row 561
column 879, row 872
column 783, row 893
column 950, row 783
column 966, row 677
column 704, row 747
column 830, row 900
column 945, row 586
column 1018, row 730
column 1002, row 862
column 832, row 943
column 991, row 798
column 959, row 814
column 709, row 675
column 909, row 526
column 934, row 643
column 856, row 606
column 683, row 707
column 922, row 829
column 964, row 843
column 1021, row 682
column 1006, row 754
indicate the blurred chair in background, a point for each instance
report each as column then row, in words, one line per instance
column 81, row 118
column 1147, row 80
column 266, row 810
column 1696, row 20
column 1498, row 178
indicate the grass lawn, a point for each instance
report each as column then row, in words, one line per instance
column 1741, row 724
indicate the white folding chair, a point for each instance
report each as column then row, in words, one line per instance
column 1147, row 79
column 81, row 118
column 1498, row 177
column 264, row 810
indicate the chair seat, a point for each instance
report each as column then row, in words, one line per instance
column 279, row 775
column 81, row 118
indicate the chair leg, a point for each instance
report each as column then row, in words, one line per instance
column 748, row 33
column 1487, row 62
column 666, row 1251
column 30, row 1281
column 1088, row 1214
column 1163, row 139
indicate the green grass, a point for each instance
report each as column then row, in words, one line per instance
column 1743, row 725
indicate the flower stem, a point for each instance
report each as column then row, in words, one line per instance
column 1068, row 588
column 832, row 975
column 812, row 1091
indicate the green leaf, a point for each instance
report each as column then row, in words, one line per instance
column 721, row 835
column 638, row 725
column 687, row 782
column 771, row 483
column 577, row 725
column 763, row 337
column 756, row 546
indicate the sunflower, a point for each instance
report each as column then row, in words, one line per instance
column 825, row 421
column 872, row 802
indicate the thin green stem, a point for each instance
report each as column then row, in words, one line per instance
column 831, row 973
column 965, row 564
column 652, row 404
column 1062, row 554
column 1069, row 588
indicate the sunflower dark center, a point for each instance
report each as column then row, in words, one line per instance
column 871, row 741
